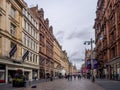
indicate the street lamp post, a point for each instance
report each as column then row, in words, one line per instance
column 91, row 57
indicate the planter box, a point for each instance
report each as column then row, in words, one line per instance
column 18, row 84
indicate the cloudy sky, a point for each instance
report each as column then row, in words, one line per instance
column 72, row 22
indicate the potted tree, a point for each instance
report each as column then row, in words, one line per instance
column 19, row 79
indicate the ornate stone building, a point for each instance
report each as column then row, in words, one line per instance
column 10, row 38
column 46, row 39
column 30, row 41
column 57, row 56
column 65, row 62
column 18, row 40
column 107, row 30
column 61, row 60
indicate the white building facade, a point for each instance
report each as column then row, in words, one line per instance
column 30, row 41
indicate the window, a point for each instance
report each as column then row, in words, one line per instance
column 36, row 58
column 31, row 43
column 118, row 29
column 41, row 60
column 28, row 27
column 25, row 39
column 118, row 17
column 27, row 14
column 112, row 35
column 2, row 76
column 24, row 24
column 12, row 45
column 34, row 22
column 13, row 48
column 28, row 41
column 31, row 31
column 33, row 57
column 29, row 17
column 41, row 38
column 37, row 25
column 35, row 35
column 12, row 29
column 24, row 50
column 23, row 11
column 12, row 12
column 34, row 45
column 119, row 48
column 30, row 56
column 113, row 52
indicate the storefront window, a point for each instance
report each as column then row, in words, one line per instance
column 2, row 73
column 2, row 76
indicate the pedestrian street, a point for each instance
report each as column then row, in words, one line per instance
column 61, row 84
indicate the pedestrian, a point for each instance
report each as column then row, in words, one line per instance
column 51, row 78
column 74, row 77
column 79, row 76
column 68, row 76
column 93, row 79
column 71, row 77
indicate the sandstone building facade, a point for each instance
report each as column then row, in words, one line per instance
column 107, row 30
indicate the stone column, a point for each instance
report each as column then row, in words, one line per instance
column 6, row 74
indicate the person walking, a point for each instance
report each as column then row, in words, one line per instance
column 74, row 77
column 79, row 76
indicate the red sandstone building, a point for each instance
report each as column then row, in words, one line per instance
column 107, row 36
column 46, row 39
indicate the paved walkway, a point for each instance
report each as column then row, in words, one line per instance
column 108, row 84
column 62, row 84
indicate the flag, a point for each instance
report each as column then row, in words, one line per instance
column 13, row 50
column 89, row 63
column 95, row 63
column 25, row 55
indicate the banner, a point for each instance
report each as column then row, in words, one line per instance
column 13, row 50
column 95, row 61
column 88, row 64
column 25, row 55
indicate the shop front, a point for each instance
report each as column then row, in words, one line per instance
column 114, row 69
column 42, row 73
column 35, row 74
column 2, row 73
